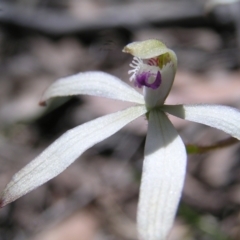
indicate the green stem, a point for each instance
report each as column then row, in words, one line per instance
column 193, row 149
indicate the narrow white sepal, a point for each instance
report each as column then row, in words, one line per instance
column 93, row 83
column 162, row 178
column 65, row 150
column 224, row 118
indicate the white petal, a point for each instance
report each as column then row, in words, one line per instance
column 224, row 118
column 162, row 180
column 93, row 83
column 65, row 150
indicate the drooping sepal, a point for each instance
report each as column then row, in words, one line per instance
column 163, row 176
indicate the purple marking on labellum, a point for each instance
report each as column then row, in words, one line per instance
column 142, row 80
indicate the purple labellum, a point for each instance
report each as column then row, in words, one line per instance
column 142, row 80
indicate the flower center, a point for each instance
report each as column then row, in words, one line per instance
column 148, row 72
column 148, row 79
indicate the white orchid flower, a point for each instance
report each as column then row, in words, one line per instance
column 154, row 67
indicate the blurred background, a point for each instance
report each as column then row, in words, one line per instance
column 96, row 197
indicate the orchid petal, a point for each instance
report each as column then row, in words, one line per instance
column 224, row 118
column 162, row 179
column 65, row 150
column 93, row 83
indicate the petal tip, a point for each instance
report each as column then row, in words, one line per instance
column 126, row 50
column 2, row 203
column 42, row 103
column 146, row 49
